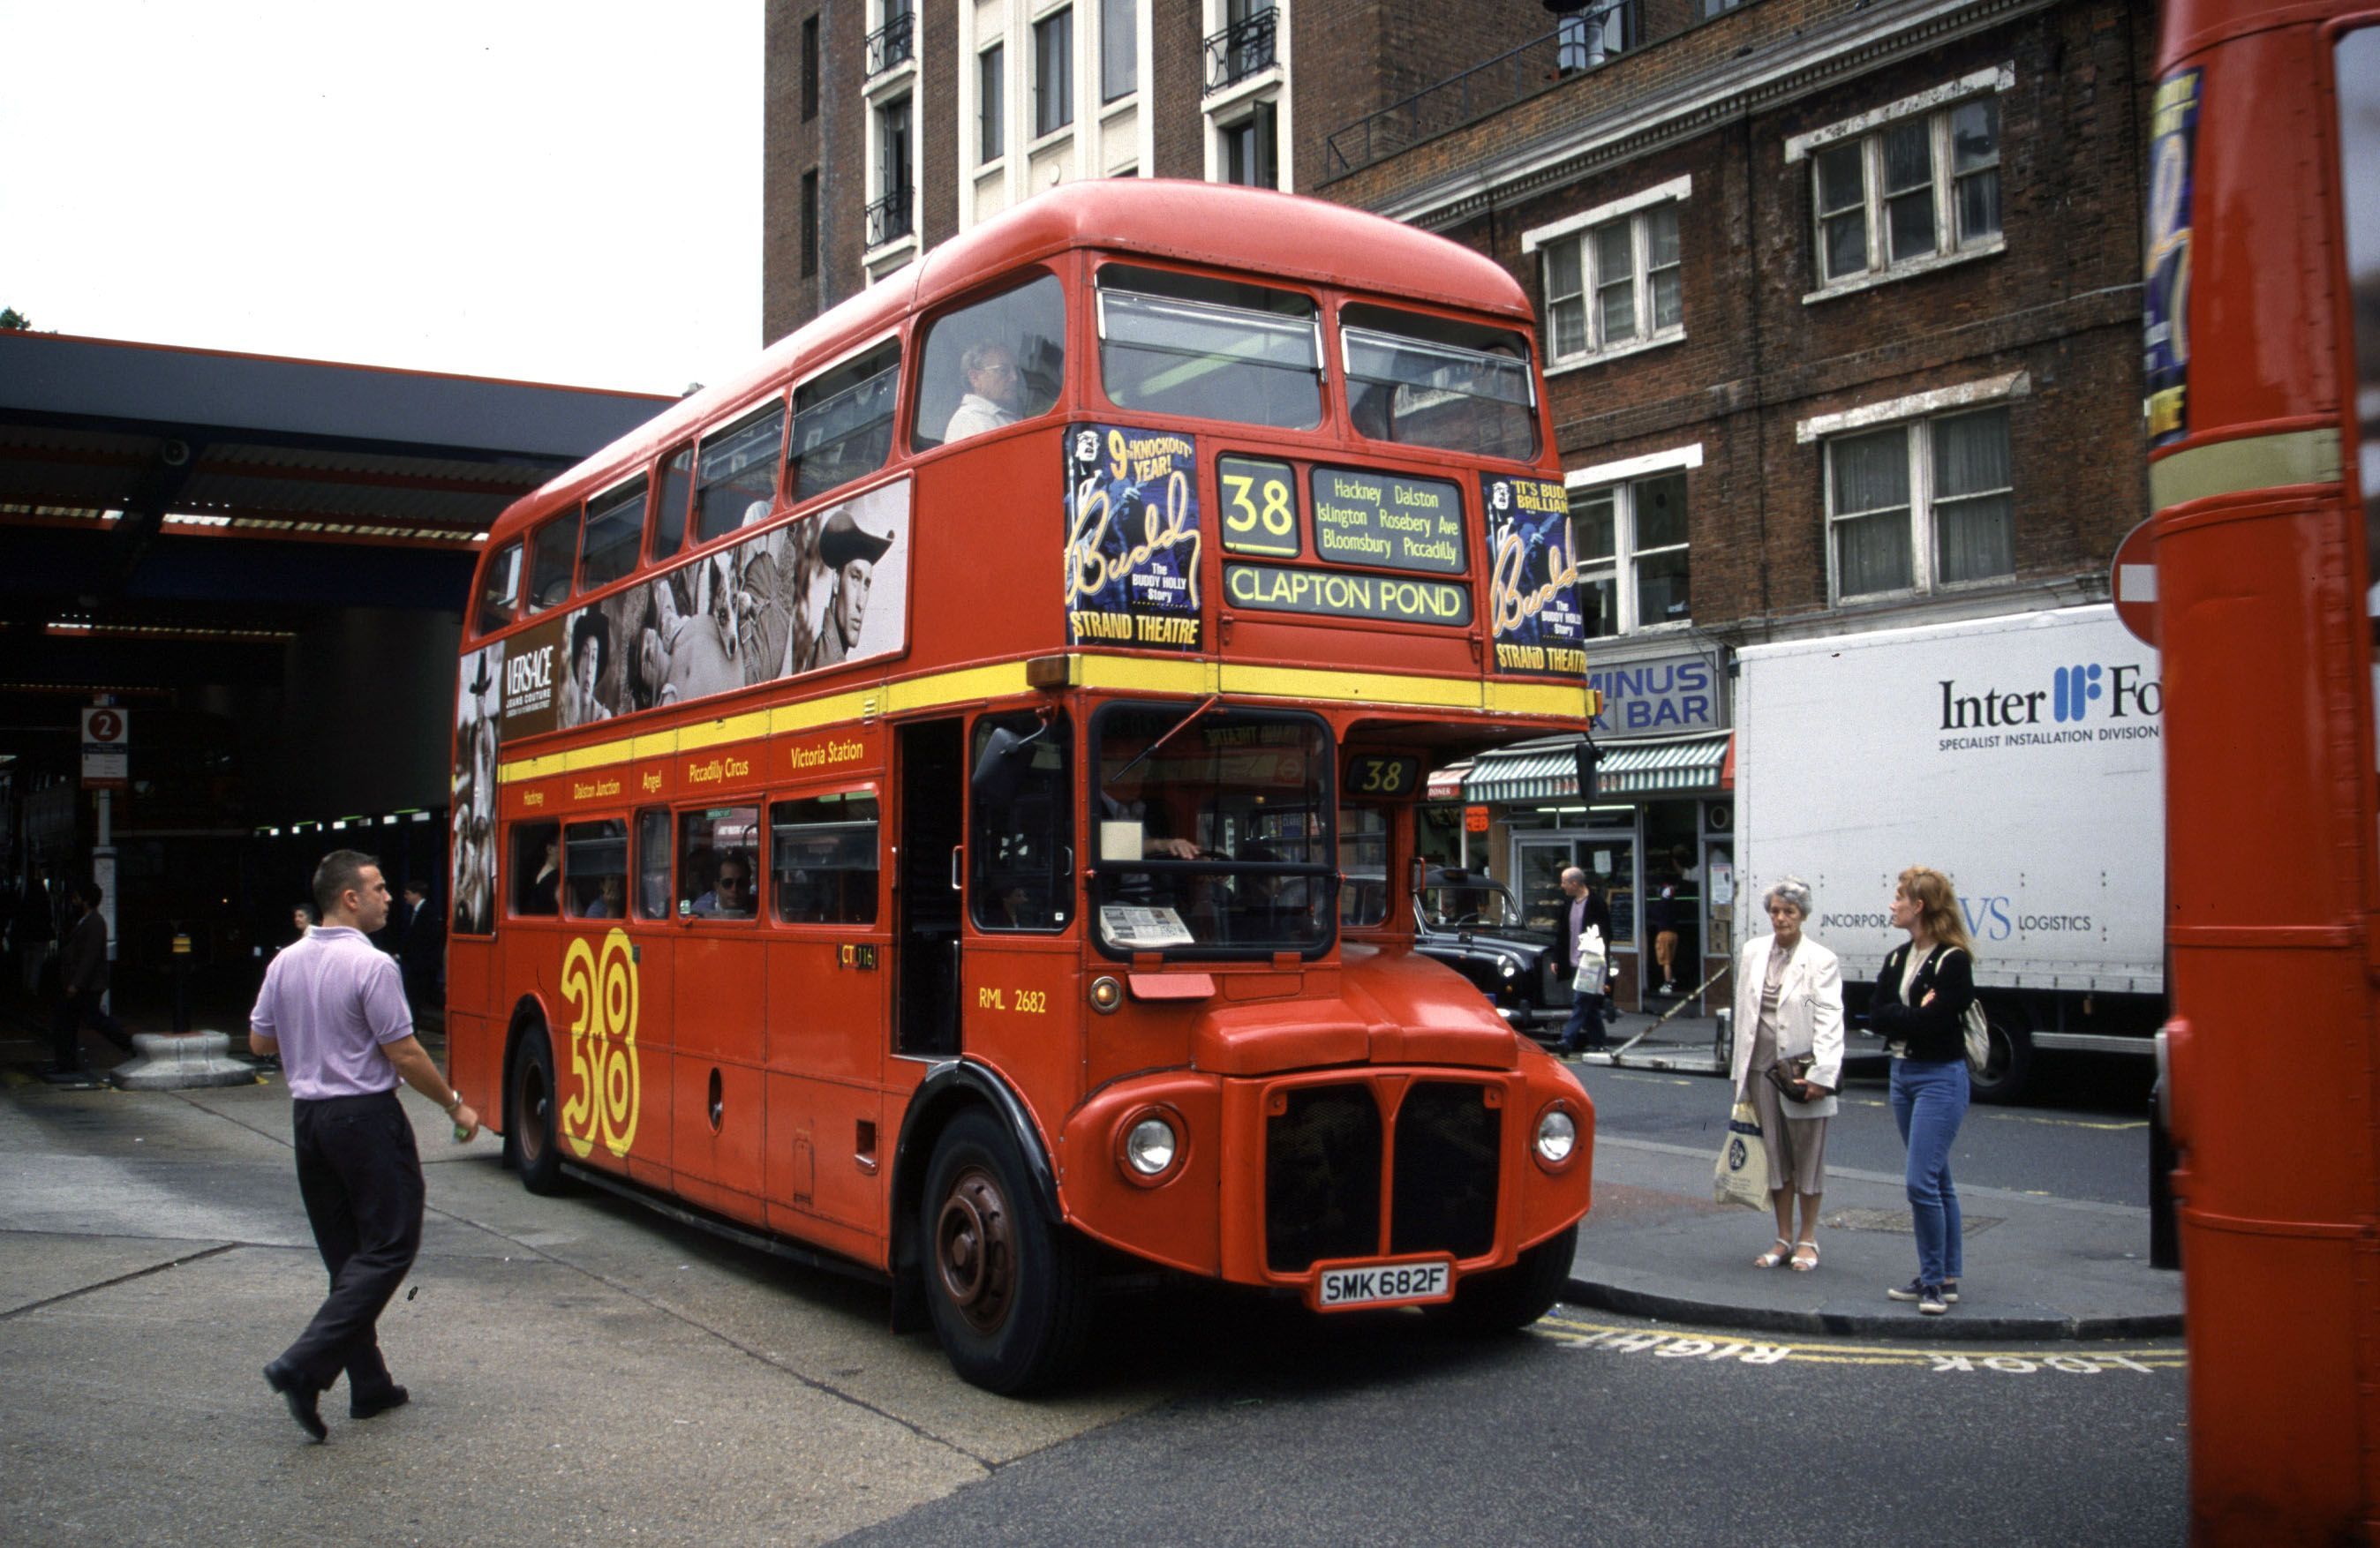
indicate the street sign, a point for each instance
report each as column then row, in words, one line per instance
column 106, row 765
column 2133, row 583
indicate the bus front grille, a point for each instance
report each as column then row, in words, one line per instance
column 1322, row 1178
column 1449, row 1148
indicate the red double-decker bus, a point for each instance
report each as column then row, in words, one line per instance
column 2263, row 363
column 905, row 797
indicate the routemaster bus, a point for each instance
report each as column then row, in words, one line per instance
column 2262, row 318
column 902, row 795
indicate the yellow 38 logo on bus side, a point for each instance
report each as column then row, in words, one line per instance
column 603, row 990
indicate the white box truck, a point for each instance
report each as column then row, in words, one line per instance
column 2023, row 755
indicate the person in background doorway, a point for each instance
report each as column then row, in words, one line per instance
column 332, row 1009
column 1789, row 999
column 82, row 984
column 421, row 953
column 1661, row 918
column 1582, row 907
column 1919, row 1010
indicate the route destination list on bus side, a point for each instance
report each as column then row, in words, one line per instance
column 1532, row 577
column 1132, row 537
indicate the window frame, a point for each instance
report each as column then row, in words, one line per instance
column 1924, row 532
column 1867, row 133
column 774, row 905
column 611, row 501
column 1109, row 94
column 1625, row 552
column 681, row 817
column 779, row 404
column 571, row 908
column 515, row 552
column 789, row 475
column 1577, row 236
column 564, row 520
column 991, row 103
column 1044, row 125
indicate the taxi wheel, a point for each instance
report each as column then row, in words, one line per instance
column 537, row 1140
column 1512, row 1298
column 1008, row 1287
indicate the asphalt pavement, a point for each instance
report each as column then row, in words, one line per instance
column 2042, row 1264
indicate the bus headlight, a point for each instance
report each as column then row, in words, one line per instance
column 1557, row 1137
column 1148, row 1146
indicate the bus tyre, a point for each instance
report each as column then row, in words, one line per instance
column 1008, row 1287
column 2010, row 1064
column 1508, row 1298
column 536, row 1143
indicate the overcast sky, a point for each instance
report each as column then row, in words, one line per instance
column 548, row 190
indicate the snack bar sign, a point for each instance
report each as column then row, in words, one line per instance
column 107, row 758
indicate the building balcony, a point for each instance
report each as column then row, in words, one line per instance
column 895, row 42
column 1582, row 42
column 1241, row 50
column 889, row 218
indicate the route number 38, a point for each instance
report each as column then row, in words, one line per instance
column 1383, row 777
column 1259, row 506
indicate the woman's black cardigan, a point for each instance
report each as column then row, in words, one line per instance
column 1935, row 1032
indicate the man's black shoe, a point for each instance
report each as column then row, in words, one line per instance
column 303, row 1398
column 365, row 1405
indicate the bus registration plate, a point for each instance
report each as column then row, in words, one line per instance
column 1404, row 1284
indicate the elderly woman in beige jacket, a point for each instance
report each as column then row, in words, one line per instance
column 1789, row 1009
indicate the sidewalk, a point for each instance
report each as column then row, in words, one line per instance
column 2038, row 1268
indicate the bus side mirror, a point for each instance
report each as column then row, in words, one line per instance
column 999, row 770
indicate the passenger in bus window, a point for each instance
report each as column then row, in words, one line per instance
column 591, row 657
column 731, row 893
column 994, row 389
column 545, row 888
column 849, row 552
column 611, row 899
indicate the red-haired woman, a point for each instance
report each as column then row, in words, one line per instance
column 1920, row 1007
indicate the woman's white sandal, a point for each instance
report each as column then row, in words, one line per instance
column 1772, row 1258
column 1798, row 1266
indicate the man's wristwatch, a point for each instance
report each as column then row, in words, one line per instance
column 455, row 1104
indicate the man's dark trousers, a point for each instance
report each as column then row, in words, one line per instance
column 1585, row 1028
column 75, row 1012
column 360, row 1175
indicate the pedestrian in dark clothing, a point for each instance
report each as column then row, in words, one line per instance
column 332, row 1009
column 82, row 982
column 421, row 952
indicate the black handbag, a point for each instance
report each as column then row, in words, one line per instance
column 1792, row 1077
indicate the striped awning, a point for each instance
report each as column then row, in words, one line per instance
column 1687, row 763
column 1544, row 771
column 1538, row 771
column 1446, row 784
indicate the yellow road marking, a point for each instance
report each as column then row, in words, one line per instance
column 1826, row 1351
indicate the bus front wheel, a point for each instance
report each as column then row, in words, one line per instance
column 1008, row 1287
column 536, row 1141
column 1507, row 1299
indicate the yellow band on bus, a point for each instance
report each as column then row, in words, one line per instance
column 1129, row 673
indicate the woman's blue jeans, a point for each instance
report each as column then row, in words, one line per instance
column 1929, row 1101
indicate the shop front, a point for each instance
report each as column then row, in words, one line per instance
column 1655, row 839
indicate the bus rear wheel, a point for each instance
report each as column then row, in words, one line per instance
column 1008, row 1287
column 1508, row 1299
column 536, row 1140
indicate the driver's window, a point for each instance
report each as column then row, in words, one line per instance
column 1364, row 861
column 1024, row 822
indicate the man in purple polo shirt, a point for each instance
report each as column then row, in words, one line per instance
column 333, row 1009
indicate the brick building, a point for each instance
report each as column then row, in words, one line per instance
column 1840, row 313
column 894, row 124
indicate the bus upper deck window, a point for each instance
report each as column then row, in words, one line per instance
column 553, row 549
column 500, row 588
column 1209, row 349
column 995, row 363
column 669, row 511
column 737, row 474
column 1434, row 382
column 843, row 421
column 607, row 550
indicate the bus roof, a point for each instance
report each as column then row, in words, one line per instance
column 1218, row 224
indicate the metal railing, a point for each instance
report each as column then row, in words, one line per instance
column 893, row 43
column 1582, row 42
column 888, row 219
column 1240, row 50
